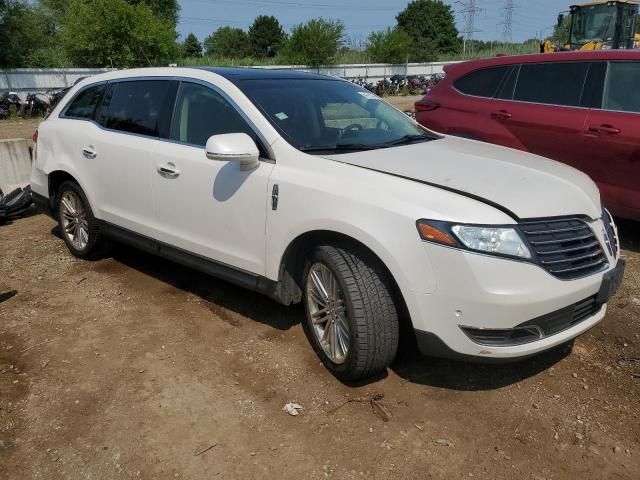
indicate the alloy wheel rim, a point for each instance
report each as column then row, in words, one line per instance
column 74, row 220
column 328, row 313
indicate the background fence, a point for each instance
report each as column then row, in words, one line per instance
column 33, row 80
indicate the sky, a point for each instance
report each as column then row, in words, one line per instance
column 363, row 16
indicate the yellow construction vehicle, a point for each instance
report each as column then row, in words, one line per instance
column 602, row 25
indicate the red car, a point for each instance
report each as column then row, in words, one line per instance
column 580, row 108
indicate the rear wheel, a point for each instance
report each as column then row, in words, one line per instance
column 351, row 318
column 78, row 226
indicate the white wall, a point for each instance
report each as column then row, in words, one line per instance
column 28, row 80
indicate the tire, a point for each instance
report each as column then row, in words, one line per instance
column 366, row 307
column 92, row 243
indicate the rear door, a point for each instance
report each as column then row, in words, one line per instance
column 134, row 114
column 466, row 112
column 545, row 115
column 612, row 140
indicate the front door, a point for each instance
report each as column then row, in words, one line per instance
column 612, row 140
column 208, row 207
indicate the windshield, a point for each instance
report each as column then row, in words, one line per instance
column 594, row 23
column 319, row 115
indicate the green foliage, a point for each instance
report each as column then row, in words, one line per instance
column 432, row 28
column 27, row 36
column 389, row 46
column 227, row 42
column 167, row 10
column 13, row 38
column 315, row 43
column 191, row 47
column 266, row 36
column 115, row 33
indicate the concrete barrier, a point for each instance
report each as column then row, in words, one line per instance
column 15, row 164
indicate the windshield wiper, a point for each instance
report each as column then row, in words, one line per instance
column 351, row 147
column 407, row 139
column 357, row 147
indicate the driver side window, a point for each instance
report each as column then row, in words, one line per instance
column 201, row 112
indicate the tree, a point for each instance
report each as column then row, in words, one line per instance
column 266, row 36
column 389, row 46
column 167, row 10
column 27, row 36
column 12, row 37
column 432, row 28
column 191, row 47
column 315, row 43
column 227, row 42
column 115, row 33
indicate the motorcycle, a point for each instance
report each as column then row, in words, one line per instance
column 34, row 106
column 11, row 103
column 54, row 98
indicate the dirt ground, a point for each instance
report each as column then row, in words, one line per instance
column 18, row 128
column 134, row 367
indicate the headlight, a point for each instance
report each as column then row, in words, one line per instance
column 504, row 241
column 487, row 239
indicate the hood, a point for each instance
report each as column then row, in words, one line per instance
column 526, row 185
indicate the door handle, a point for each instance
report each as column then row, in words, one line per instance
column 89, row 152
column 608, row 129
column 501, row 115
column 168, row 170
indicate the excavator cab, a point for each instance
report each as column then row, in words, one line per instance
column 602, row 25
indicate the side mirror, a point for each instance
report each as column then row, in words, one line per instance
column 233, row 147
column 560, row 20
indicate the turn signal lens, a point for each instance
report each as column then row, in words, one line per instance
column 430, row 233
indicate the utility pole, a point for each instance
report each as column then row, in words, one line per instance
column 507, row 22
column 470, row 10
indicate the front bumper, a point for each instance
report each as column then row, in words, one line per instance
column 476, row 293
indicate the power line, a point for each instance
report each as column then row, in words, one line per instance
column 470, row 11
column 507, row 22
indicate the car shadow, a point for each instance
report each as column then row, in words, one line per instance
column 218, row 294
column 629, row 232
column 465, row 376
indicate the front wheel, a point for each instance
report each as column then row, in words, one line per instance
column 351, row 318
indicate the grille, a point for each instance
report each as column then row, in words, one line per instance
column 502, row 337
column 538, row 328
column 612, row 239
column 566, row 248
column 565, row 318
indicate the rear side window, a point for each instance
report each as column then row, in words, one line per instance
column 509, row 84
column 482, row 83
column 551, row 83
column 593, row 87
column 85, row 104
column 141, row 107
column 622, row 92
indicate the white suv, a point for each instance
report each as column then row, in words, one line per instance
column 310, row 189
